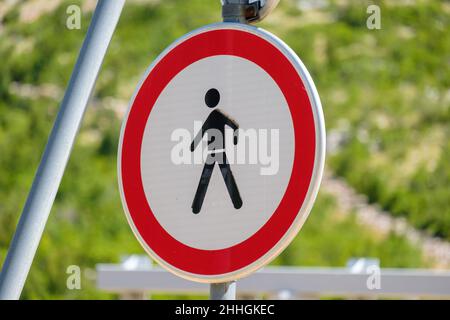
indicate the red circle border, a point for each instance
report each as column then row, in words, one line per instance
column 210, row 43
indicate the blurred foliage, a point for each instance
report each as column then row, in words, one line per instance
column 385, row 95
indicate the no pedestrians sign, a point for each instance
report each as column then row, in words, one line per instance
column 221, row 153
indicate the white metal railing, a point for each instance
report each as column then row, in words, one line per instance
column 136, row 277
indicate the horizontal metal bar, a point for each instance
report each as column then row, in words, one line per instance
column 272, row 280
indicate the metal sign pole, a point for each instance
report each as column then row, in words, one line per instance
column 53, row 163
column 232, row 11
column 239, row 11
column 223, row 291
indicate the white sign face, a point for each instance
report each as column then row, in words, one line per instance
column 221, row 153
column 250, row 97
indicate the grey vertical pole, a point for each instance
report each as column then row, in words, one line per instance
column 223, row 291
column 232, row 11
column 51, row 169
column 238, row 11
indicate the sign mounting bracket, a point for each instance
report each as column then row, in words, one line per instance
column 246, row 11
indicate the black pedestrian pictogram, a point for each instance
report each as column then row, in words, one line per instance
column 215, row 123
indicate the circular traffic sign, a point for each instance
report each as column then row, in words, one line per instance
column 221, row 152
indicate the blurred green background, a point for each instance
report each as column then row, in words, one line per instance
column 386, row 101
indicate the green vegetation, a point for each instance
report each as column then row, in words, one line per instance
column 385, row 94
